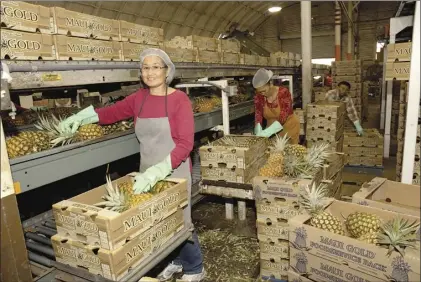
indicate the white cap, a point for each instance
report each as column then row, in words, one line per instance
column 164, row 56
column 261, row 77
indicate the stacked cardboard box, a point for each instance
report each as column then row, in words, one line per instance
column 302, row 116
column 349, row 71
column 285, row 59
column 325, row 123
column 365, row 150
column 320, row 255
column 276, row 203
column 398, row 61
column 319, row 93
column 233, row 158
column 110, row 243
column 398, row 122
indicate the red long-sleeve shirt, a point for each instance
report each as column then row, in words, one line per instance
column 180, row 115
column 284, row 101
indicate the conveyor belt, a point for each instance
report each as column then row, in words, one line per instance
column 33, row 171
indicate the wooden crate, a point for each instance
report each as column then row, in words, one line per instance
column 229, row 46
column 262, row 61
column 398, row 70
column 233, row 174
column 371, row 161
column 23, row 16
column 251, row 59
column 273, row 61
column 399, row 52
column 389, row 195
column 116, row 264
column 194, row 42
column 142, row 34
column 334, row 145
column 209, row 57
column 326, row 109
column 283, row 62
column 319, row 96
column 371, row 138
column 363, row 151
column 328, row 124
column 352, row 79
column 239, row 156
column 76, row 24
column 78, row 219
column 346, row 64
column 131, row 51
column 346, row 71
column 230, row 58
column 21, row 45
column 179, row 55
column 73, row 48
column 318, row 134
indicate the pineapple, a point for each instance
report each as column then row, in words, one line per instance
column 361, row 223
column 110, row 128
column 277, row 151
column 204, row 105
column 40, row 139
column 272, row 170
column 18, row 121
column 18, row 146
column 314, row 200
column 295, row 149
column 89, row 132
column 398, row 234
column 370, row 238
column 217, row 101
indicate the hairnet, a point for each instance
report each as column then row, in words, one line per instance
column 261, row 77
column 164, row 56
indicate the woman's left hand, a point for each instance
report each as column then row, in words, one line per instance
column 145, row 181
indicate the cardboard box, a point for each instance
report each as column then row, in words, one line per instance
column 295, row 277
column 240, row 156
column 251, row 60
column 360, row 256
column 352, row 79
column 76, row 24
column 73, row 48
column 363, row 151
column 398, row 71
column 328, row 124
column 272, row 230
column 274, row 248
column 78, row 219
column 319, row 134
column 321, row 270
column 234, row 174
column 371, row 138
column 327, row 109
column 263, row 61
column 179, row 55
column 277, row 210
column 209, row 57
column 400, row 52
column 131, row 51
column 346, row 71
column 319, row 96
column 334, row 145
column 374, row 161
column 23, row 16
column 116, row 264
column 274, row 268
column 230, row 58
column 18, row 45
column 136, row 33
column 194, row 42
column 229, row 46
column 390, row 195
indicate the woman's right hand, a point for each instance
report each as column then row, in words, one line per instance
column 85, row 116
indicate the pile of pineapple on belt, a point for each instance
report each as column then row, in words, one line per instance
column 120, row 197
column 396, row 234
column 205, row 104
column 294, row 160
column 49, row 134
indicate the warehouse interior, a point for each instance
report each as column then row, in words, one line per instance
column 259, row 202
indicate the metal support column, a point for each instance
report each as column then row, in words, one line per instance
column 350, row 35
column 413, row 105
column 337, row 31
column 396, row 25
column 306, row 51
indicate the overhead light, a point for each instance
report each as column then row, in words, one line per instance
column 274, row 9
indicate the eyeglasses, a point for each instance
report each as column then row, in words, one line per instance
column 153, row 68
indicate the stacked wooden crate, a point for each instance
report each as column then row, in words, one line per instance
column 194, row 48
column 325, row 123
column 285, row 59
column 302, row 116
column 365, row 150
column 319, row 93
column 110, row 243
column 233, row 158
column 230, row 50
column 349, row 71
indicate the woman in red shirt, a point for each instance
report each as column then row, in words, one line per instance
column 274, row 104
column 164, row 126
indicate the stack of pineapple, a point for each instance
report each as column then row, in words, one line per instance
column 122, row 197
column 394, row 234
column 325, row 123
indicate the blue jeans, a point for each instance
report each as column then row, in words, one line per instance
column 190, row 256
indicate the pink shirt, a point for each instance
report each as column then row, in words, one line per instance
column 180, row 115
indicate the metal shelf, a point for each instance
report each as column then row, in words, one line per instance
column 44, row 74
column 39, row 169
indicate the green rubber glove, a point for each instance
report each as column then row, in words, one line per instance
column 145, row 181
column 358, row 127
column 85, row 116
column 274, row 128
column 257, row 129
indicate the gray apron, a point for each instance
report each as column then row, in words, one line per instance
column 156, row 143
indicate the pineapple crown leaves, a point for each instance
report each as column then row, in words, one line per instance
column 398, row 234
column 317, row 155
column 301, row 257
column 313, row 199
column 280, row 143
column 114, row 199
column 399, row 263
column 52, row 127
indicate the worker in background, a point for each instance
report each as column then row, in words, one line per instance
column 164, row 126
column 341, row 94
column 274, row 104
column 328, row 78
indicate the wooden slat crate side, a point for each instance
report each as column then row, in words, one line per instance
column 142, row 34
column 229, row 46
column 334, row 145
column 325, row 123
column 27, row 46
column 399, row 52
column 179, row 55
column 131, row 51
column 74, row 48
column 194, row 42
column 230, row 58
column 209, row 57
column 251, row 59
column 325, row 109
column 354, row 63
column 23, row 16
column 321, row 135
column 371, row 138
column 76, row 24
column 398, row 71
column 365, row 161
column 363, row 151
